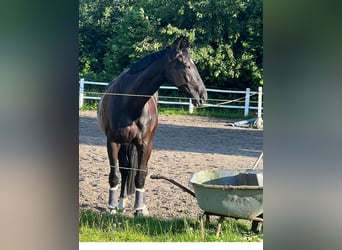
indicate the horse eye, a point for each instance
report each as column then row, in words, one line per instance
column 187, row 65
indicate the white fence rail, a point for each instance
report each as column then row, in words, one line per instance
column 246, row 97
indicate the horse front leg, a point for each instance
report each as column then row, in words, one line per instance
column 144, row 153
column 114, row 174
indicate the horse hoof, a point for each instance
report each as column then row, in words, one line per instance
column 121, row 211
column 116, row 211
column 138, row 213
column 141, row 212
column 122, row 205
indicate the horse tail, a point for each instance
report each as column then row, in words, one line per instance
column 133, row 165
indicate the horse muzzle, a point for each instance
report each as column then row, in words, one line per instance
column 203, row 96
column 198, row 98
column 198, row 102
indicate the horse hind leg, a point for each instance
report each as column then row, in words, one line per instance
column 123, row 191
column 124, row 165
column 128, row 163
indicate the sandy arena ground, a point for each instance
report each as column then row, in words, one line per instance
column 183, row 145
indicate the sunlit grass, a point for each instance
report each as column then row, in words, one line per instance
column 103, row 227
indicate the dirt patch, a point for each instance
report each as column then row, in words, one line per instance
column 183, row 145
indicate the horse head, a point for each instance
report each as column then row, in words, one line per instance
column 183, row 73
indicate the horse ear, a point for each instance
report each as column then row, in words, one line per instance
column 180, row 43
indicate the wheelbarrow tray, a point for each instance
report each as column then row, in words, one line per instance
column 229, row 192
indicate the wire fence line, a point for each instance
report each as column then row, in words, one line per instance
column 185, row 101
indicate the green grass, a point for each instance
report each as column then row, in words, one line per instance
column 103, row 227
column 89, row 105
column 210, row 112
column 183, row 110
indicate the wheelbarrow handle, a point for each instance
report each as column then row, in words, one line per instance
column 155, row 176
column 185, row 189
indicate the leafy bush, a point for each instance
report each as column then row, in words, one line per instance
column 226, row 36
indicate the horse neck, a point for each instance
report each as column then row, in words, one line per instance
column 148, row 82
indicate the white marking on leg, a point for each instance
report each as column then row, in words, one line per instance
column 122, row 204
column 113, row 197
column 139, row 201
column 114, row 188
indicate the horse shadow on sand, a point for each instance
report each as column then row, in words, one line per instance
column 228, row 140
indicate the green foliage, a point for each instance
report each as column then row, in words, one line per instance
column 164, row 109
column 226, row 36
column 101, row 227
column 229, row 114
column 132, row 42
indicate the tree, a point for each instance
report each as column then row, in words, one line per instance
column 226, row 37
column 98, row 20
column 133, row 39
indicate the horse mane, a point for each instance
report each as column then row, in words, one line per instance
column 146, row 61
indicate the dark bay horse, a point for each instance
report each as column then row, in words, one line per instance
column 128, row 116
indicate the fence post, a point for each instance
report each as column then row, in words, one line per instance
column 247, row 101
column 81, row 92
column 259, row 121
column 191, row 106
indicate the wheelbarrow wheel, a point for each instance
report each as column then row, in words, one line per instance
column 257, row 226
